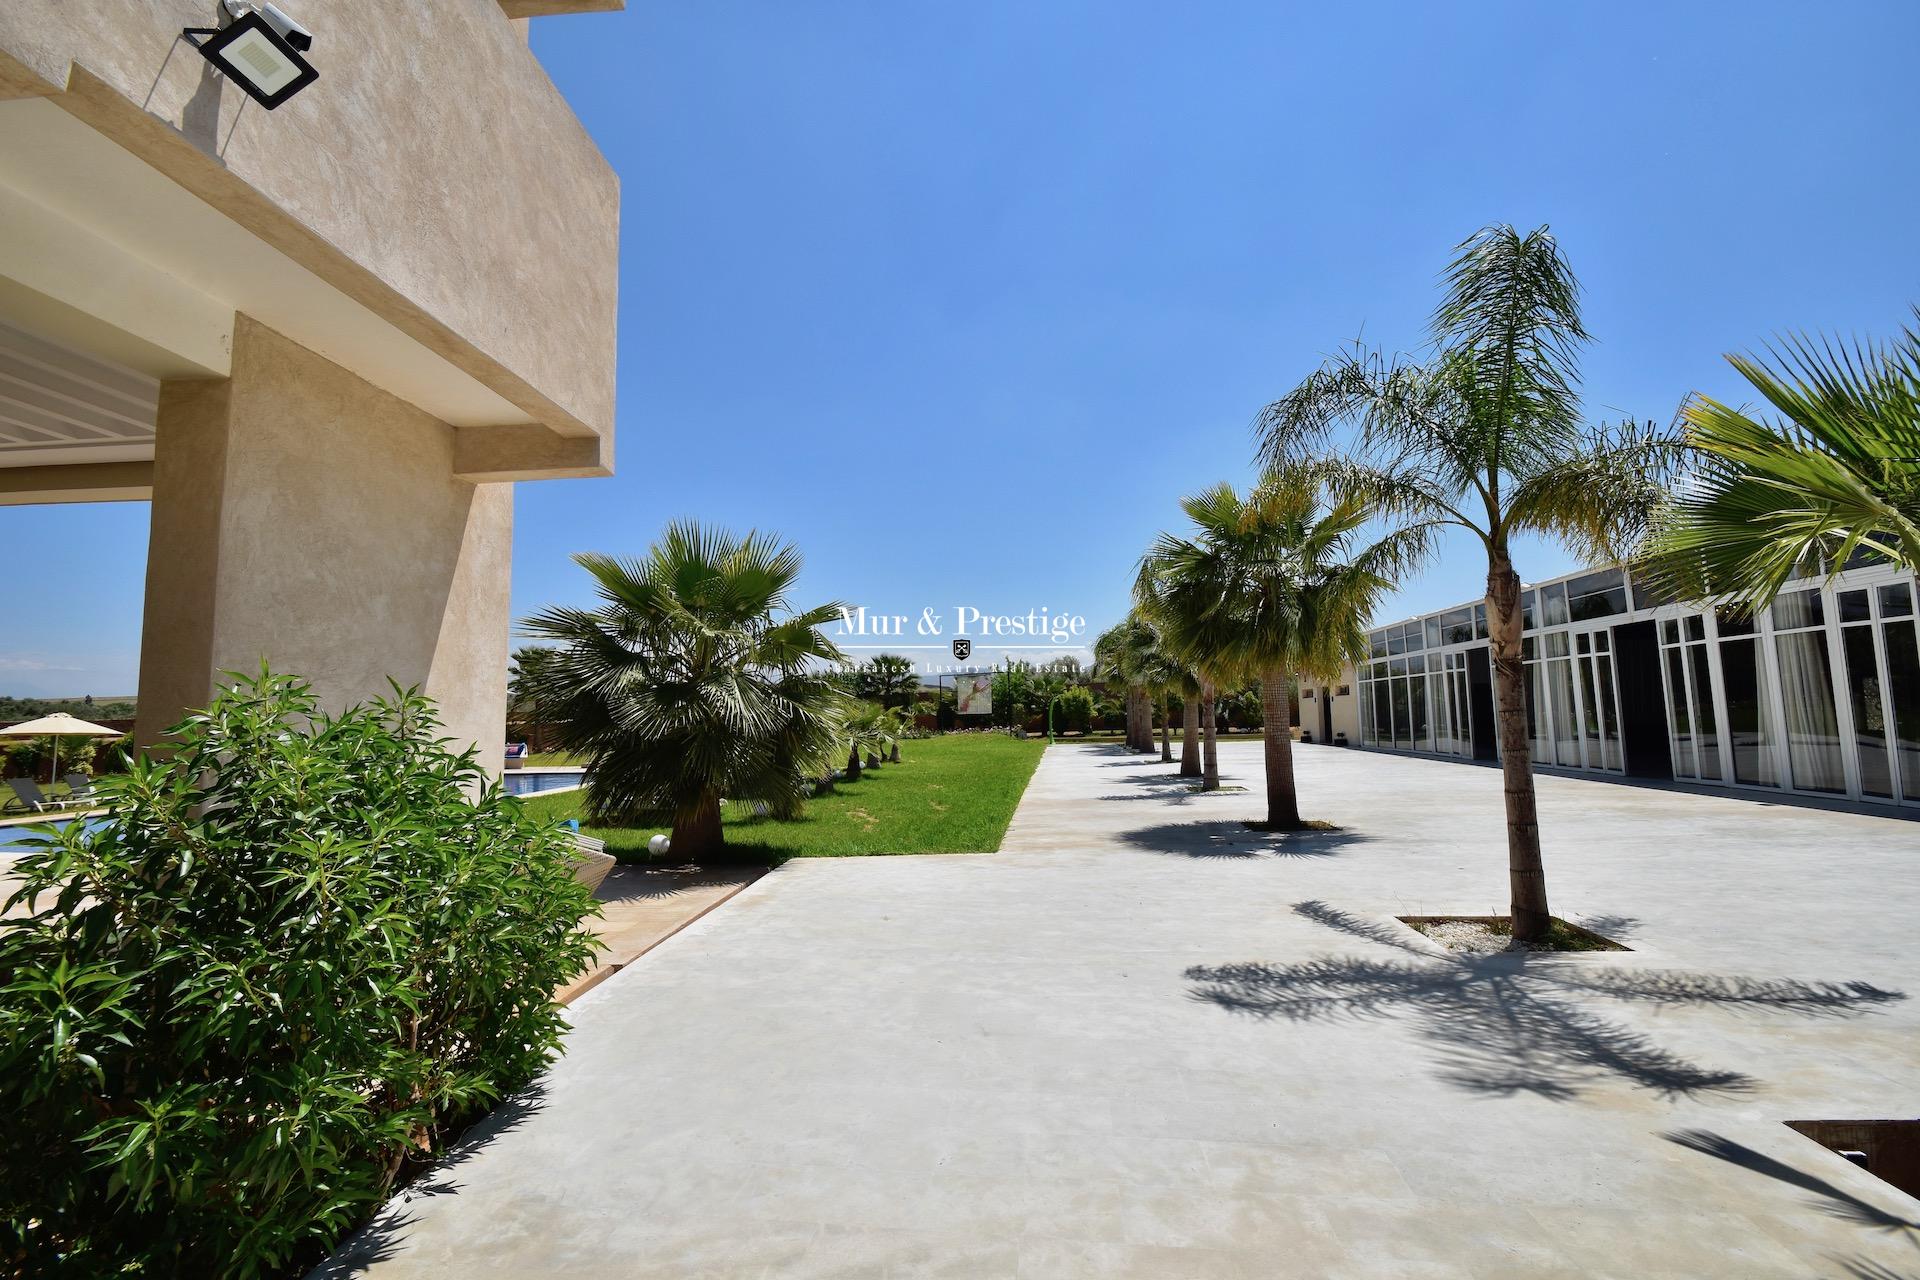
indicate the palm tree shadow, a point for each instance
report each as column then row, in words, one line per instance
column 642, row 882
column 1508, row 1024
column 1836, row 1201
column 1231, row 840
column 1162, row 786
column 1831, row 1199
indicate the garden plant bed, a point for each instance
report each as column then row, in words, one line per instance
column 1491, row 935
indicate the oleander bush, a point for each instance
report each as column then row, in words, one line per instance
column 307, row 950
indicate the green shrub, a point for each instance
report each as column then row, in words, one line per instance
column 25, row 758
column 305, row 952
column 114, row 758
column 1073, row 711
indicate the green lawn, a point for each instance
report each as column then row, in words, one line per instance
column 553, row 760
column 953, row 794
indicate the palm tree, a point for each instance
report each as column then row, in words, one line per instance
column 1190, row 732
column 1132, row 653
column 1271, row 584
column 1486, row 434
column 694, row 680
column 1764, row 502
column 867, row 729
column 1115, row 651
column 523, row 680
column 1162, row 675
column 885, row 677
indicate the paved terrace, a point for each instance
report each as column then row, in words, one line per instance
column 1146, row 1042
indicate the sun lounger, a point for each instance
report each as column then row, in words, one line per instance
column 80, row 790
column 591, row 861
column 33, row 800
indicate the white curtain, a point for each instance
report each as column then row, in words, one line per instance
column 1813, row 730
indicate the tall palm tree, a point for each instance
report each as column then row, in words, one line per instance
column 1163, row 675
column 1190, row 732
column 1765, row 501
column 1271, row 584
column 1486, row 434
column 1120, row 655
column 694, row 680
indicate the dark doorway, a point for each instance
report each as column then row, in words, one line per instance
column 1326, row 715
column 1643, row 709
column 1480, row 699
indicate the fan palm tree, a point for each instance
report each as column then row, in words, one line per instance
column 1190, row 732
column 1164, row 675
column 1118, row 654
column 866, row 729
column 522, row 681
column 1271, row 584
column 1486, row 434
column 694, row 680
column 886, row 677
column 1766, row 501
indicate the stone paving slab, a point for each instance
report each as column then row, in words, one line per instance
column 1143, row 1041
column 641, row 907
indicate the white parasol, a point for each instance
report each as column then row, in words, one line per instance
column 57, row 726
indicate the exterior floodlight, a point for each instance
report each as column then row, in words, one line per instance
column 259, row 51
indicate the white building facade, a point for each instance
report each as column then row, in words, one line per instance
column 1818, row 695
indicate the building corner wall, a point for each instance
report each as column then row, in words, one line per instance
column 304, row 518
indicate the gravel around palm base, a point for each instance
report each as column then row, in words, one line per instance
column 1481, row 938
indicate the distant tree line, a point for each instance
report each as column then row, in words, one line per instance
column 12, row 709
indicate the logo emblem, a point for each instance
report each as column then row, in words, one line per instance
column 962, row 649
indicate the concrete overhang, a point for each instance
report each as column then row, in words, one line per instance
column 106, row 255
column 554, row 8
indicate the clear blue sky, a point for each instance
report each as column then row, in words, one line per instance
column 963, row 297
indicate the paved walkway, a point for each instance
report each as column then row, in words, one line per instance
column 1146, row 1042
column 641, row 907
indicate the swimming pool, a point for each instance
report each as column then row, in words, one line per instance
column 13, row 838
column 527, row 782
column 518, row 783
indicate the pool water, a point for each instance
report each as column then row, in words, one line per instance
column 519, row 783
column 14, row 838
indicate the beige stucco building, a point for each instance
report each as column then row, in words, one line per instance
column 325, row 340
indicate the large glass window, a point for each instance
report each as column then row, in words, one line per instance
column 1798, row 609
column 1703, row 721
column 1749, row 713
column 1566, row 724
column 1402, row 734
column 1597, row 595
column 1417, row 700
column 1680, row 714
column 1806, row 696
column 1553, row 605
column 1865, row 703
column 1592, row 732
column 1903, row 690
